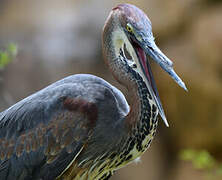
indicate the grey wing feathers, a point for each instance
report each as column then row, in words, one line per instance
column 39, row 138
column 44, row 151
column 40, row 135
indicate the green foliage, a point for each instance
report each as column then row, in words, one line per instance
column 7, row 55
column 200, row 159
column 203, row 160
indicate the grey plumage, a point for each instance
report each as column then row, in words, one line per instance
column 40, row 107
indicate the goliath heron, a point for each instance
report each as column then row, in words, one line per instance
column 82, row 127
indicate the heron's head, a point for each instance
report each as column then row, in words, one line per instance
column 130, row 31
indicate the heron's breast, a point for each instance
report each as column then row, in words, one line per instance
column 133, row 148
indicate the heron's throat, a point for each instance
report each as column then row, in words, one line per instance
column 120, row 66
column 121, row 44
column 115, row 45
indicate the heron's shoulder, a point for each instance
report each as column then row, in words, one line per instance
column 83, row 79
column 95, row 89
column 40, row 106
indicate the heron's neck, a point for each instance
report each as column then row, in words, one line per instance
column 139, row 99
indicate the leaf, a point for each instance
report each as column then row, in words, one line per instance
column 4, row 59
column 6, row 56
column 203, row 160
column 12, row 49
column 187, row 154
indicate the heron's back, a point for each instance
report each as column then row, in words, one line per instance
column 39, row 111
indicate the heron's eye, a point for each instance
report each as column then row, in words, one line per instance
column 129, row 28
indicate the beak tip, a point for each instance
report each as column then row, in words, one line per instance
column 165, row 120
column 166, row 123
column 177, row 79
column 182, row 84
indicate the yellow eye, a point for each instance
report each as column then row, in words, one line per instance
column 129, row 28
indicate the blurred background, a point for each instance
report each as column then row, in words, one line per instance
column 57, row 38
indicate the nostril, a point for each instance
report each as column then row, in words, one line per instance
column 151, row 48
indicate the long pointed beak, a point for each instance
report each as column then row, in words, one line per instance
column 166, row 64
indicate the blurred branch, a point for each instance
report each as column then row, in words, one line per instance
column 203, row 160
